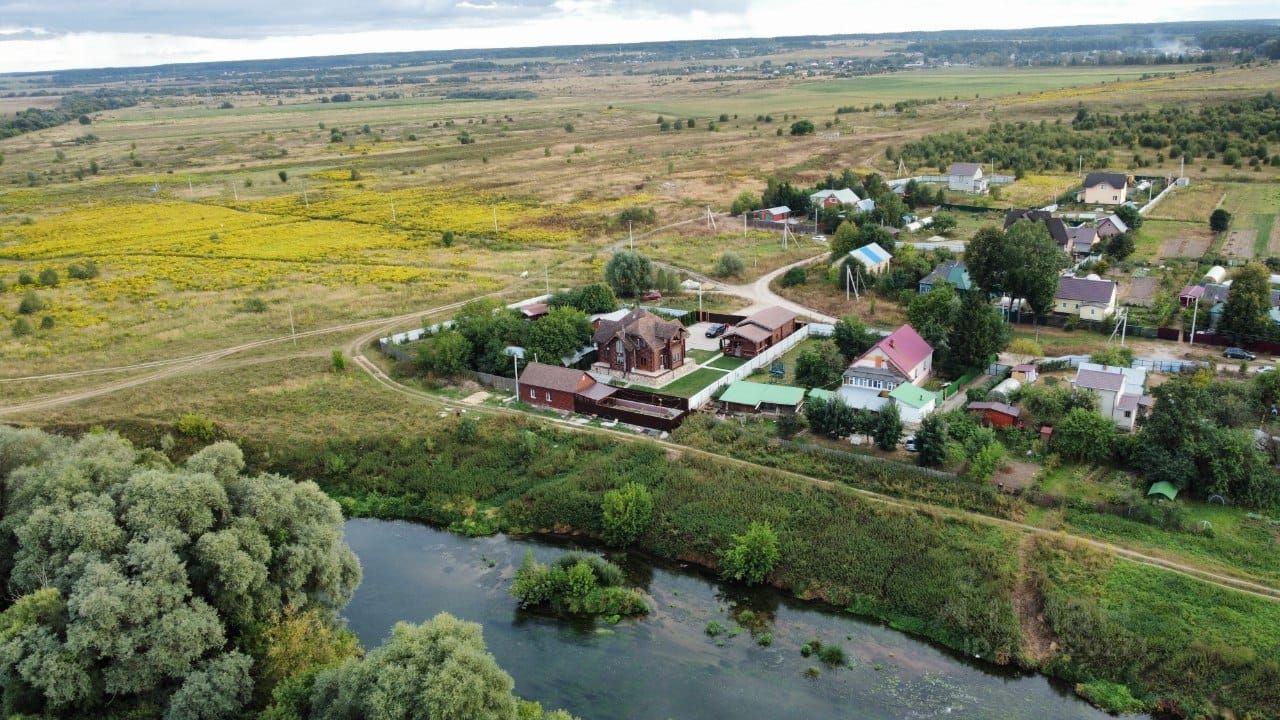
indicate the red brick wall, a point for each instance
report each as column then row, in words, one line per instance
column 535, row 395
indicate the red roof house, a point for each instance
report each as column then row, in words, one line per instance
column 901, row 356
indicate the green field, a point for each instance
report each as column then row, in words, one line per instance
column 821, row 97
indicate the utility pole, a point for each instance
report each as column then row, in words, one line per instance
column 235, row 191
column 393, row 209
column 546, row 277
column 699, row 301
column 1080, row 165
column 292, row 332
column 632, row 236
column 744, row 224
column 495, row 218
column 515, row 362
column 1195, row 314
column 306, row 200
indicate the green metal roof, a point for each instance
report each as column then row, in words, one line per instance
column 754, row 394
column 909, row 394
column 822, row 394
column 1163, row 488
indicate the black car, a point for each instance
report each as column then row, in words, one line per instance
column 1235, row 353
column 716, row 330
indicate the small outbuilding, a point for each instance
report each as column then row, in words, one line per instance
column 872, row 257
column 749, row 397
column 996, row 414
column 553, row 386
column 914, row 402
column 1026, row 373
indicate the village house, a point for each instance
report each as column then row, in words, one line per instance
column 914, row 403
column 773, row 214
column 758, row 332
column 639, row 342
column 966, row 177
column 948, row 272
column 1105, row 188
column 1057, row 228
column 825, row 199
column 1080, row 241
column 1119, row 395
column 900, row 357
column 1111, row 226
column 1088, row 298
column 873, row 258
column 553, row 386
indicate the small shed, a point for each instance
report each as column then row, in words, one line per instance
column 1046, row 433
column 996, row 414
column 773, row 214
column 1163, row 489
column 1216, row 274
column 872, row 257
column 744, row 396
column 533, row 311
column 1026, row 373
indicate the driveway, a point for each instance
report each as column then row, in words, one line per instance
column 698, row 339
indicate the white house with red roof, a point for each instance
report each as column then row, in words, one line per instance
column 900, row 357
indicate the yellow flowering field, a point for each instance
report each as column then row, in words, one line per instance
column 1036, row 190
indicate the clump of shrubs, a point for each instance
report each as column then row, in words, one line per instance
column 86, row 270
column 576, row 584
column 255, row 305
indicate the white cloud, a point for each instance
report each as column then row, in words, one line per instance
column 164, row 29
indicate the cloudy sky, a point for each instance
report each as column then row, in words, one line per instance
column 59, row 34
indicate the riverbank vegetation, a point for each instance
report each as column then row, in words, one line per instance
column 135, row 588
column 577, row 584
column 948, row 580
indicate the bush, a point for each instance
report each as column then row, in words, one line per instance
column 576, row 584
column 800, row 127
column 1113, row 355
column 25, row 278
column 21, row 327
column 1220, row 220
column 83, row 271
column 196, row 426
column 254, row 305
column 337, row 361
column 752, row 556
column 794, row 276
column 31, row 303
column 986, row 462
column 730, row 265
column 625, row 513
column 46, row 322
column 49, row 277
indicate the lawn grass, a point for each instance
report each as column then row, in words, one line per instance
column 701, row 356
column 690, row 384
column 727, row 362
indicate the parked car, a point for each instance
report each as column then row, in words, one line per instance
column 820, row 238
column 1235, row 353
column 716, row 330
column 910, row 444
column 651, row 295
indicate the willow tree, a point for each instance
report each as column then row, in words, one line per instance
column 139, row 586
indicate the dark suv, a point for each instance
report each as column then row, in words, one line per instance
column 716, row 330
column 1235, row 353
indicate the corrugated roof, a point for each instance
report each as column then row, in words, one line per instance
column 909, row 394
column 905, row 349
column 754, row 333
column 778, row 210
column 821, row 394
column 553, row 377
column 1115, row 180
column 1003, row 408
column 965, row 169
column 1085, row 290
column 1099, row 380
column 1116, row 222
column 770, row 318
column 844, row 195
column 871, row 254
column 755, row 394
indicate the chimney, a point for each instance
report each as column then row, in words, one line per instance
column 891, row 342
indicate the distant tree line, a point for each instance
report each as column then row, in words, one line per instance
column 70, row 107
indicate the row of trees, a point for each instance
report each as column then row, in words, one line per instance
column 836, row 420
column 483, row 329
column 630, row 274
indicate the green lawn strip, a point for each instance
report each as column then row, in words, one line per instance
column 701, row 356
column 1262, row 243
column 727, row 363
column 690, row 384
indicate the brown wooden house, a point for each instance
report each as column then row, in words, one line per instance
column 553, row 386
column 640, row 342
column 758, row 332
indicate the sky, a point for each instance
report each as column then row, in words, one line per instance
column 64, row 34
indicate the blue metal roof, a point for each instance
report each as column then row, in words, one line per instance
column 871, row 254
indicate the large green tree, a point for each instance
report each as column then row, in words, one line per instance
column 138, row 585
column 852, row 337
column 1084, row 436
column 819, row 365
column 628, row 273
column 558, row 334
column 1245, row 314
column 933, row 314
column 977, row 333
column 439, row 670
column 1021, row 262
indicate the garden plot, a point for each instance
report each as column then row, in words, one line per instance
column 1240, row 244
column 1188, row 244
column 1139, row 291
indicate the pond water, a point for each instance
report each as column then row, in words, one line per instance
column 665, row 665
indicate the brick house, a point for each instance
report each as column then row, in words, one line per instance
column 1111, row 226
column 758, row 332
column 553, row 386
column 640, row 341
column 773, row 214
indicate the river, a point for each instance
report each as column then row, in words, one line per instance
column 665, row 665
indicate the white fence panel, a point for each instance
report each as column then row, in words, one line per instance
column 703, row 396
